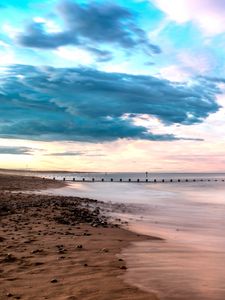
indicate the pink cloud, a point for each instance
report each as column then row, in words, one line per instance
column 209, row 15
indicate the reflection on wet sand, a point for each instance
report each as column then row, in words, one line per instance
column 176, row 272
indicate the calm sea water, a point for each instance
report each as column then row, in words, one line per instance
column 190, row 216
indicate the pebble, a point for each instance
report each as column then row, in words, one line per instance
column 9, row 294
column 9, row 258
column 105, row 250
column 36, row 251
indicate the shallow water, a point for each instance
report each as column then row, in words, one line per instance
column 189, row 264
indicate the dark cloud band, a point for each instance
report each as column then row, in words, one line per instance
column 78, row 104
column 15, row 150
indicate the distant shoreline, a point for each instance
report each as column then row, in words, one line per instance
column 22, row 171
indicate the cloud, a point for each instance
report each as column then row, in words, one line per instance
column 73, row 153
column 209, row 15
column 79, row 104
column 67, row 153
column 16, row 150
column 91, row 26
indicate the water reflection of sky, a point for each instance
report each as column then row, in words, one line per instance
column 191, row 217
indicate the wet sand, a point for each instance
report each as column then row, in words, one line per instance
column 55, row 247
column 189, row 263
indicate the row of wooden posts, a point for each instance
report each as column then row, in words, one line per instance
column 138, row 180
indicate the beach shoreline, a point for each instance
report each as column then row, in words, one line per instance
column 55, row 247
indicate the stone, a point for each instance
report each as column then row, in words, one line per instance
column 9, row 294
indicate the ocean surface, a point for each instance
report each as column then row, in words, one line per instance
column 189, row 264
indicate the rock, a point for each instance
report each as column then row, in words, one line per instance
column 54, row 280
column 105, row 250
column 9, row 258
column 38, row 263
column 62, row 251
column 87, row 234
column 123, row 267
column 79, row 246
column 36, row 251
column 9, row 294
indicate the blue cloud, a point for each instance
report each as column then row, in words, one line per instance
column 78, row 104
column 91, row 26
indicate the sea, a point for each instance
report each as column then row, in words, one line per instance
column 186, row 210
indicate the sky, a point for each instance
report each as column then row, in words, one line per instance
column 112, row 85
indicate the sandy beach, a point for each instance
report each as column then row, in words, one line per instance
column 55, row 247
